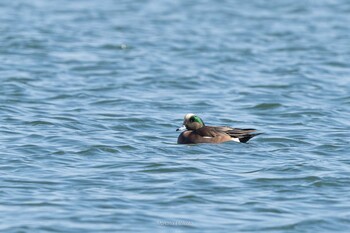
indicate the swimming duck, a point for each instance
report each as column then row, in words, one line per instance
column 197, row 132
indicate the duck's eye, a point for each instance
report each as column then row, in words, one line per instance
column 192, row 119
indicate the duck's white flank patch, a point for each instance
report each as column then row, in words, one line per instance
column 207, row 137
column 188, row 116
column 235, row 139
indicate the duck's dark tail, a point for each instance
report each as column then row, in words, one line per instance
column 243, row 135
column 247, row 137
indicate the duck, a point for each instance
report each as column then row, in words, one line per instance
column 195, row 131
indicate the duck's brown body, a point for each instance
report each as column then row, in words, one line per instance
column 197, row 132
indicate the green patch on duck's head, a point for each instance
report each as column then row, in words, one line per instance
column 193, row 122
column 196, row 119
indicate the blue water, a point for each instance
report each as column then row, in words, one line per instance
column 92, row 91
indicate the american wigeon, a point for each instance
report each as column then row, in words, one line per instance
column 197, row 132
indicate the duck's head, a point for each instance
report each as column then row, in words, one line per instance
column 191, row 122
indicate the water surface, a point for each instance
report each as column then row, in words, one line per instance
column 91, row 94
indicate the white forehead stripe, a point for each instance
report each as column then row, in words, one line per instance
column 188, row 116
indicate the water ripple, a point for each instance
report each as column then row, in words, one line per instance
column 92, row 94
